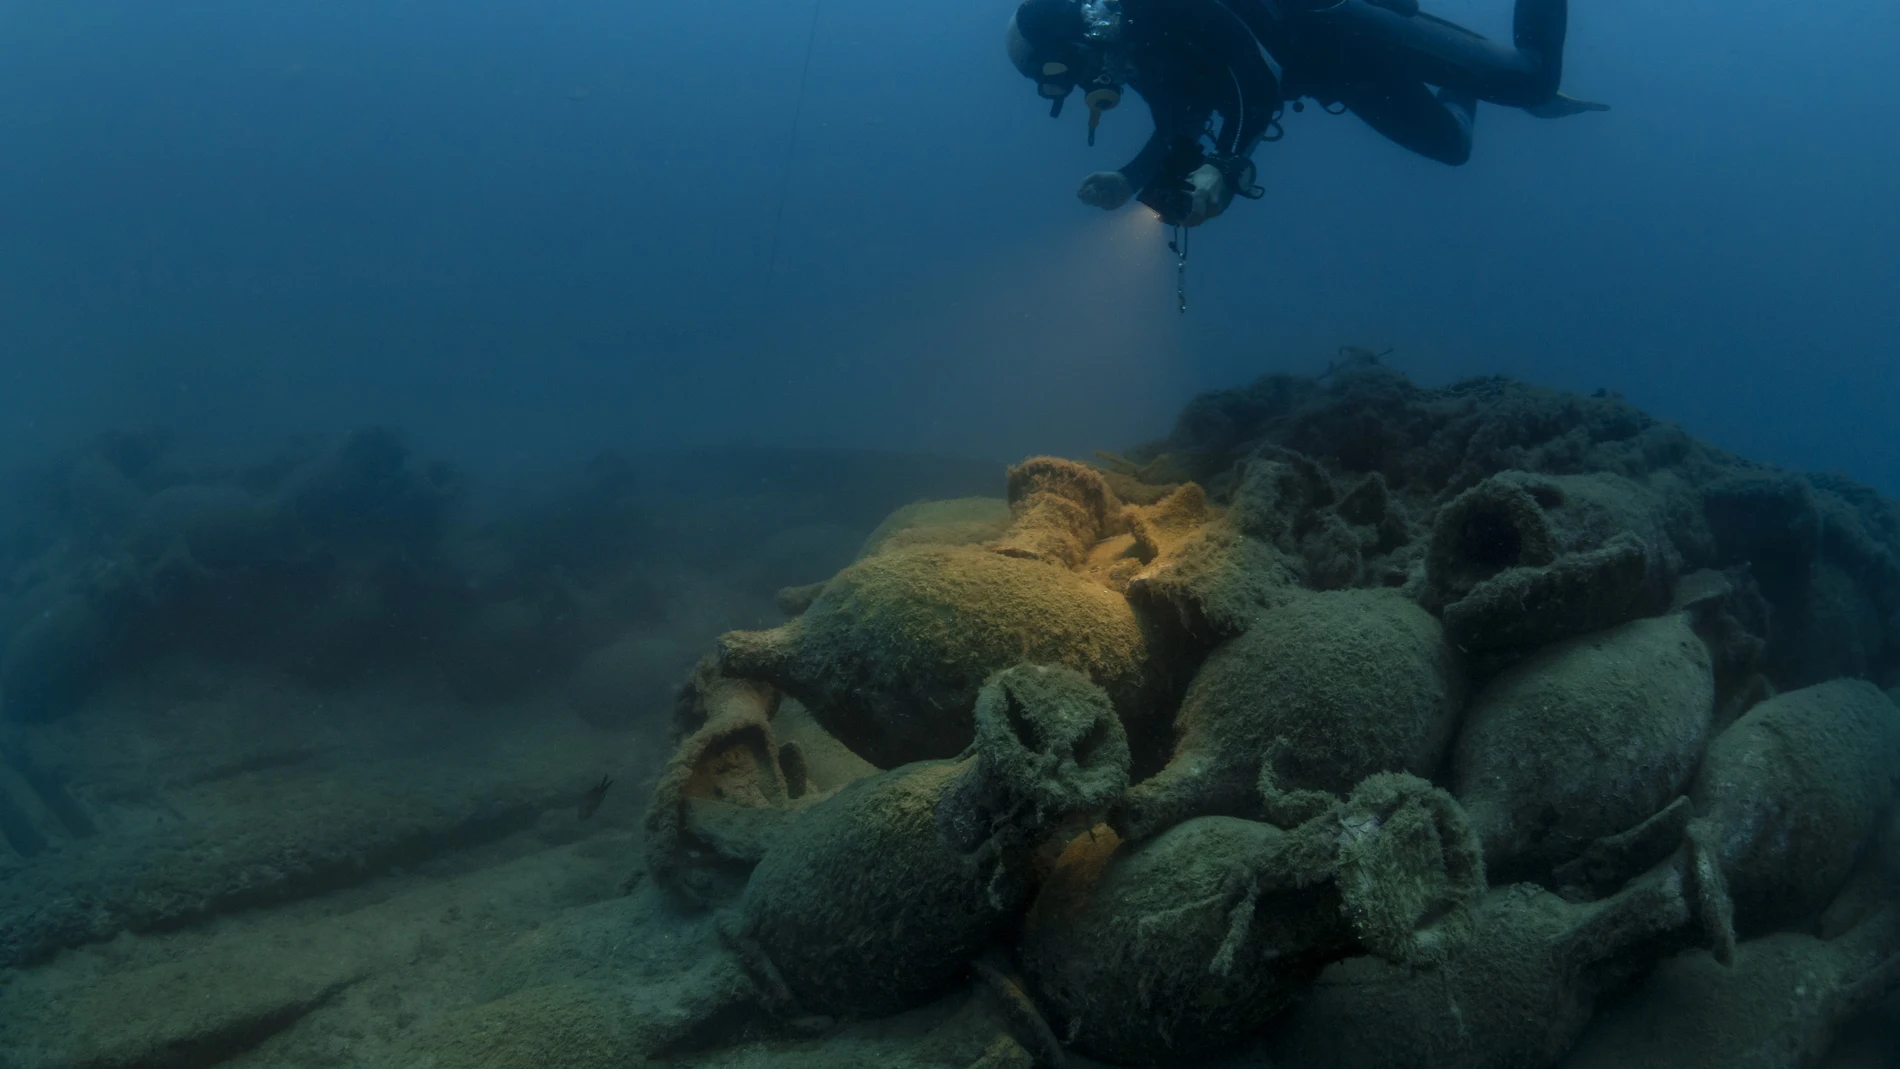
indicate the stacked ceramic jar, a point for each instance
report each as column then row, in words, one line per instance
column 1194, row 776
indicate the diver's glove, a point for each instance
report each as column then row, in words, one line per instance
column 1209, row 193
column 1560, row 105
column 1107, row 190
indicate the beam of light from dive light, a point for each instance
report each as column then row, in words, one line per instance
column 1141, row 226
column 1138, row 233
column 1097, row 335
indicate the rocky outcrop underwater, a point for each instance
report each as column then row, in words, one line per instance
column 1352, row 724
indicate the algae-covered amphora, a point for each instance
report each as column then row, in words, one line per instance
column 1174, row 947
column 1337, row 686
column 1524, row 559
column 1789, row 796
column 889, row 653
column 1058, row 510
column 878, row 897
column 1516, row 994
column 1582, row 740
column 890, row 657
column 1777, row 1005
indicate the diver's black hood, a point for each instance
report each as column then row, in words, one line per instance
column 1050, row 25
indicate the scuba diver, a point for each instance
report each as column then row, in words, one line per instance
column 1194, row 59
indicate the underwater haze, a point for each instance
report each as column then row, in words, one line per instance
column 568, row 534
column 519, row 231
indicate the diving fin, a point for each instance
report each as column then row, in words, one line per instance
column 1559, row 105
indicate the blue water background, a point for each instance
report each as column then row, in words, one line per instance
column 518, row 231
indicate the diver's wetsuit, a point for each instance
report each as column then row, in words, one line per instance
column 1379, row 58
column 1193, row 59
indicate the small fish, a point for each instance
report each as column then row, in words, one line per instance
column 590, row 802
